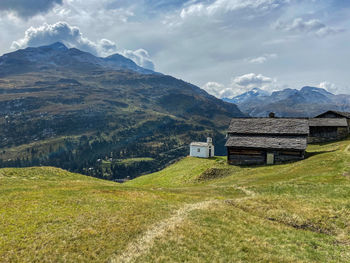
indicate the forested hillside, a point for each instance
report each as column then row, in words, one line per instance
column 104, row 117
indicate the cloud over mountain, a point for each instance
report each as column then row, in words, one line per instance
column 240, row 85
column 63, row 32
column 331, row 87
column 218, row 90
column 249, row 81
column 252, row 79
column 73, row 37
column 140, row 57
column 28, row 8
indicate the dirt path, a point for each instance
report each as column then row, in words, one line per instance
column 145, row 242
column 347, row 149
column 248, row 192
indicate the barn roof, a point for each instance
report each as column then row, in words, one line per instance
column 268, row 142
column 277, row 126
column 341, row 113
column 328, row 122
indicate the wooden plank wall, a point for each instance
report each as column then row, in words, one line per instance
column 245, row 156
column 327, row 134
column 258, row 157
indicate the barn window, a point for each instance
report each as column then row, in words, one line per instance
column 198, row 150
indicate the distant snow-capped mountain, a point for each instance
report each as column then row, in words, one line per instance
column 306, row 102
column 255, row 93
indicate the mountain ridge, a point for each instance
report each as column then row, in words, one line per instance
column 59, row 55
column 307, row 102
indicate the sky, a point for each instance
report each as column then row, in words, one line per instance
column 226, row 47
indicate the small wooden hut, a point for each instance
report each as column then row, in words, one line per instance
column 266, row 140
column 327, row 129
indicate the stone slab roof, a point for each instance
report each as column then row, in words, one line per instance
column 341, row 113
column 272, row 126
column 267, row 142
column 328, row 122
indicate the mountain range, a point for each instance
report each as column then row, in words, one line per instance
column 106, row 117
column 306, row 102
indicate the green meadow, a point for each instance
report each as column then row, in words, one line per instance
column 196, row 210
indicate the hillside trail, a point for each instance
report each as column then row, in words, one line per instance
column 346, row 168
column 347, row 149
column 248, row 192
column 143, row 244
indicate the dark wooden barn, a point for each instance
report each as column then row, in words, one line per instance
column 335, row 114
column 266, row 140
column 327, row 129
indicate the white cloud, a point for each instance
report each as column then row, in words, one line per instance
column 262, row 59
column 326, row 31
column 252, row 80
column 330, row 87
column 240, row 85
column 106, row 47
column 195, row 9
column 140, row 57
column 307, row 26
column 220, row 7
column 73, row 37
column 258, row 60
column 63, row 32
column 218, row 90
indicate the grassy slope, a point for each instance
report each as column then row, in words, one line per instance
column 285, row 213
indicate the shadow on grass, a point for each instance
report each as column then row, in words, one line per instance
column 330, row 142
column 311, row 154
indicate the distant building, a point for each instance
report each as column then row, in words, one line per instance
column 202, row 149
column 335, row 114
column 266, row 140
column 327, row 129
